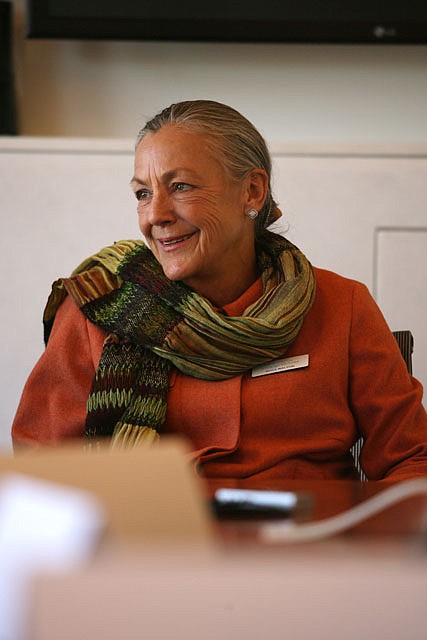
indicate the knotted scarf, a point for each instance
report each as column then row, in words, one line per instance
column 154, row 324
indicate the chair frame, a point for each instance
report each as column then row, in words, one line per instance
column 405, row 340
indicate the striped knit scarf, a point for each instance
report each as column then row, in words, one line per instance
column 154, row 324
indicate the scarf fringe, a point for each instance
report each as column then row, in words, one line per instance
column 129, row 435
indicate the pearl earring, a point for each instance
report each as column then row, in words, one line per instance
column 252, row 214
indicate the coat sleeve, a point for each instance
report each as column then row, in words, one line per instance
column 53, row 403
column 385, row 399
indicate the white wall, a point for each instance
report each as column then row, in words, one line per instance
column 293, row 93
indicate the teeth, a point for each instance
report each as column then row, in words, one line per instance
column 167, row 243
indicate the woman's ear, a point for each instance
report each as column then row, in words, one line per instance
column 257, row 187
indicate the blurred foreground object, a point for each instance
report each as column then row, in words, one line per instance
column 150, row 494
column 297, row 592
column 55, row 502
column 43, row 527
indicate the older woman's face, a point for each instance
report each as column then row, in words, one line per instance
column 192, row 214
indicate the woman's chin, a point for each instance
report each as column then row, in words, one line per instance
column 173, row 272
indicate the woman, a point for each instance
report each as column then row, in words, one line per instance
column 222, row 331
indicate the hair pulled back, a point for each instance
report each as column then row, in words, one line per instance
column 239, row 145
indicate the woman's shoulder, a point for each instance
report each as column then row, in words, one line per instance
column 92, row 279
column 343, row 293
column 329, row 278
column 338, row 285
column 109, row 257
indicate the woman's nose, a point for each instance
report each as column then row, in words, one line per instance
column 160, row 209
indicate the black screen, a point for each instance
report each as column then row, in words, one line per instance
column 268, row 21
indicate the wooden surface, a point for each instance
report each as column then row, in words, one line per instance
column 406, row 519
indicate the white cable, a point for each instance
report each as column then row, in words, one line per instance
column 311, row 531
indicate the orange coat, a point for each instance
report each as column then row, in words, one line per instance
column 298, row 423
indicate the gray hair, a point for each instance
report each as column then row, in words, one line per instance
column 239, row 144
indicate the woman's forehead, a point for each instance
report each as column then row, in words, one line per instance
column 172, row 153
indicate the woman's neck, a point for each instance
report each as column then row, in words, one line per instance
column 223, row 293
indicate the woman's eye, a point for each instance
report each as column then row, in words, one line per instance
column 141, row 194
column 182, row 186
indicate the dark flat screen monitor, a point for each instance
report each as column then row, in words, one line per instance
column 301, row 21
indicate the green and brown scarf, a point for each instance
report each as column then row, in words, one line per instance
column 154, row 324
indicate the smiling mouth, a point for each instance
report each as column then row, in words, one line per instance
column 174, row 241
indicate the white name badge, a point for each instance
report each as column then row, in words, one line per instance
column 280, row 365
